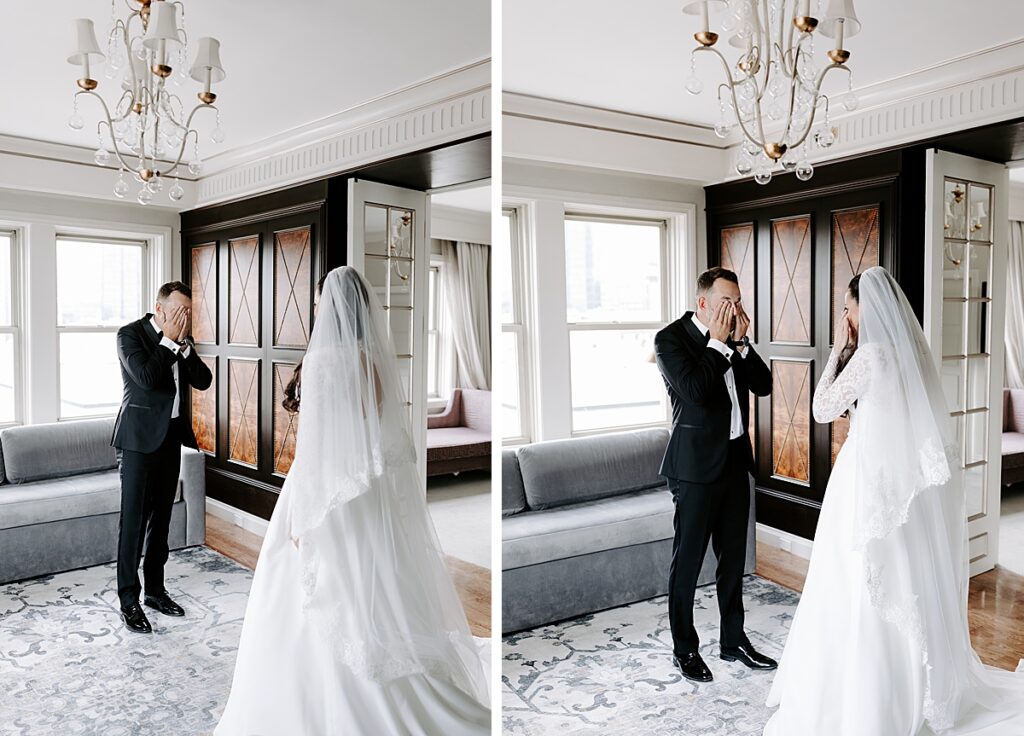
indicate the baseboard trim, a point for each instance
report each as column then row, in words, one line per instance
column 242, row 519
column 784, row 540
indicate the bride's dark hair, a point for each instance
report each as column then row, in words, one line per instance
column 293, row 391
column 849, row 350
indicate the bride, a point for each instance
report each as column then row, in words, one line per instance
column 879, row 645
column 353, row 625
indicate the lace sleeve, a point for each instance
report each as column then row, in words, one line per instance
column 834, row 395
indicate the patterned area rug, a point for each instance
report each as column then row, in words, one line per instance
column 612, row 673
column 68, row 666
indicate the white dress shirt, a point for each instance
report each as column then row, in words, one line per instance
column 175, row 348
column 736, row 427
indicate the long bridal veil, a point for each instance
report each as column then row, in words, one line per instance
column 401, row 614
column 910, row 512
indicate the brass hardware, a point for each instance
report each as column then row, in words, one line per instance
column 87, row 84
column 207, row 97
column 775, row 151
column 706, row 38
column 839, row 56
column 958, row 194
column 752, row 66
column 137, row 108
column 145, row 3
column 147, row 174
column 805, row 23
column 161, row 70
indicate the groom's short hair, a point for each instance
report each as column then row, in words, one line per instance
column 707, row 279
column 172, row 286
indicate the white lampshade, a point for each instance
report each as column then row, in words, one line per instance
column 693, row 7
column 840, row 10
column 163, row 25
column 208, row 57
column 85, row 45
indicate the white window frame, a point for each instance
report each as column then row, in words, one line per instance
column 518, row 326
column 14, row 328
column 144, row 290
column 444, row 365
column 653, row 326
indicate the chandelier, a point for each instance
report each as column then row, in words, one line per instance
column 147, row 130
column 772, row 91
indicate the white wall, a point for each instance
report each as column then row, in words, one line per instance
column 542, row 193
column 37, row 219
column 451, row 223
column 1016, row 201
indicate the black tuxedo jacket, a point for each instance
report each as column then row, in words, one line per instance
column 694, row 374
column 145, row 414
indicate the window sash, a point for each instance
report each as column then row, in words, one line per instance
column 128, row 243
column 14, row 328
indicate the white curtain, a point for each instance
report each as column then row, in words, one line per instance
column 1015, row 307
column 467, row 293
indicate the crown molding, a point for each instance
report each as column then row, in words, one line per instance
column 545, row 109
column 440, row 110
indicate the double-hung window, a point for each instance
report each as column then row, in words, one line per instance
column 100, row 287
column 10, row 336
column 515, row 416
column 616, row 300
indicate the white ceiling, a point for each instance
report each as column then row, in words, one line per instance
column 477, row 199
column 636, row 57
column 287, row 63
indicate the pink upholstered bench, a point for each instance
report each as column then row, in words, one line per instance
column 459, row 438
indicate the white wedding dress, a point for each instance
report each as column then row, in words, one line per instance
column 353, row 625
column 879, row 644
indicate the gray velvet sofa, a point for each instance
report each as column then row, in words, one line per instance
column 60, row 498
column 587, row 525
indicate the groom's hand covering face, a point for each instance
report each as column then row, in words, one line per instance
column 174, row 315
column 721, row 291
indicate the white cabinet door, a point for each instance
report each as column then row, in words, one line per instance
column 387, row 243
column 966, row 236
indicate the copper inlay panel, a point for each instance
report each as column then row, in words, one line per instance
column 286, row 424
column 738, row 256
column 791, row 280
column 243, row 405
column 244, row 291
column 791, row 419
column 204, row 293
column 854, row 249
column 292, row 284
column 204, row 410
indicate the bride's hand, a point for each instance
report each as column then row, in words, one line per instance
column 843, row 333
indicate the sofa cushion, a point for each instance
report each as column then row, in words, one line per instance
column 41, row 451
column 63, row 498
column 476, row 409
column 513, row 499
column 535, row 537
column 1006, row 411
column 564, row 472
column 1013, row 449
column 1015, row 421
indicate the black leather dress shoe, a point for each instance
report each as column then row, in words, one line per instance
column 693, row 667
column 135, row 619
column 749, row 656
column 164, row 604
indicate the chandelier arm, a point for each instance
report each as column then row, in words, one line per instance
column 110, row 125
column 814, row 108
column 181, row 150
column 732, row 91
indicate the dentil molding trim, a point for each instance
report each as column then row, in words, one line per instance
column 441, row 110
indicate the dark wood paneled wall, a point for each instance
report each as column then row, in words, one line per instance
column 795, row 245
column 253, row 267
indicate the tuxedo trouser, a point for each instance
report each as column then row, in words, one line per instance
column 149, row 481
column 716, row 511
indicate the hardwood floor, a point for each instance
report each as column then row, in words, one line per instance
column 995, row 606
column 472, row 582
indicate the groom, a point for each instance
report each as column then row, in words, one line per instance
column 709, row 365
column 158, row 366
